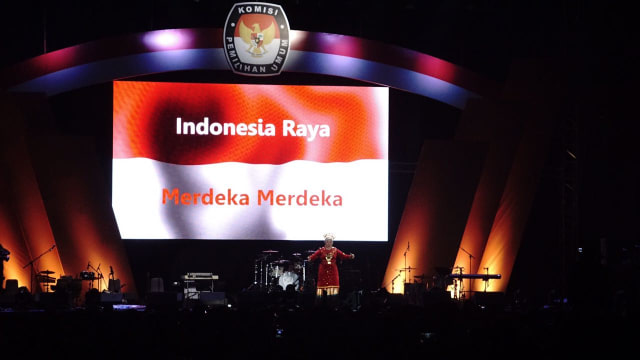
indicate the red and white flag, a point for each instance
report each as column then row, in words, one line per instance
column 219, row 161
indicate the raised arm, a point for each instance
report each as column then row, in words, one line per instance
column 344, row 256
column 315, row 255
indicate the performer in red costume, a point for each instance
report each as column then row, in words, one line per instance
column 328, row 279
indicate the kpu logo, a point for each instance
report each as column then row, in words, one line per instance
column 256, row 38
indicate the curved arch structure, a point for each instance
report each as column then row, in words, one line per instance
column 201, row 49
column 103, row 61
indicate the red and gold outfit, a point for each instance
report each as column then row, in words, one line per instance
column 328, row 269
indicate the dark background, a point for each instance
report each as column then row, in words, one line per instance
column 578, row 202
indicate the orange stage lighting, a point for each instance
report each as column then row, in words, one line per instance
column 511, row 218
column 435, row 212
column 80, row 209
column 23, row 198
column 497, row 124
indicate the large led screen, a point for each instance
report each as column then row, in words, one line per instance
column 272, row 162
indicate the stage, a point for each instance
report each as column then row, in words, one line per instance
column 165, row 177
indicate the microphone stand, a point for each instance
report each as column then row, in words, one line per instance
column 393, row 280
column 405, row 262
column 470, row 257
column 102, row 278
column 30, row 263
column 486, row 282
column 98, row 274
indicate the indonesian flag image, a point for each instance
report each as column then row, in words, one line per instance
column 273, row 162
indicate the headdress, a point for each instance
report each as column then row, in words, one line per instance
column 329, row 236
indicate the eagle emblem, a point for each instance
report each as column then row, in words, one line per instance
column 256, row 38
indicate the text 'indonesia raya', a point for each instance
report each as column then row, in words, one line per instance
column 289, row 128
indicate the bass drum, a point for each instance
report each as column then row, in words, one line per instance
column 298, row 265
column 289, row 278
column 278, row 267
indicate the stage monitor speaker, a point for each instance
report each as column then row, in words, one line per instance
column 163, row 300
column 131, row 297
column 11, row 287
column 157, row 285
column 414, row 293
column 396, row 300
column 114, row 285
column 111, row 298
column 214, row 298
column 353, row 300
column 53, row 300
column 191, row 293
column 436, row 297
column 489, row 298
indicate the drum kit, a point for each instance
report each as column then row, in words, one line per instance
column 44, row 277
column 274, row 272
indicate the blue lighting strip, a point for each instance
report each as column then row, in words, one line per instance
column 213, row 59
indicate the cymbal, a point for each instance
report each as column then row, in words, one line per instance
column 45, row 279
column 408, row 268
column 296, row 254
column 270, row 251
column 309, row 251
column 46, row 272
